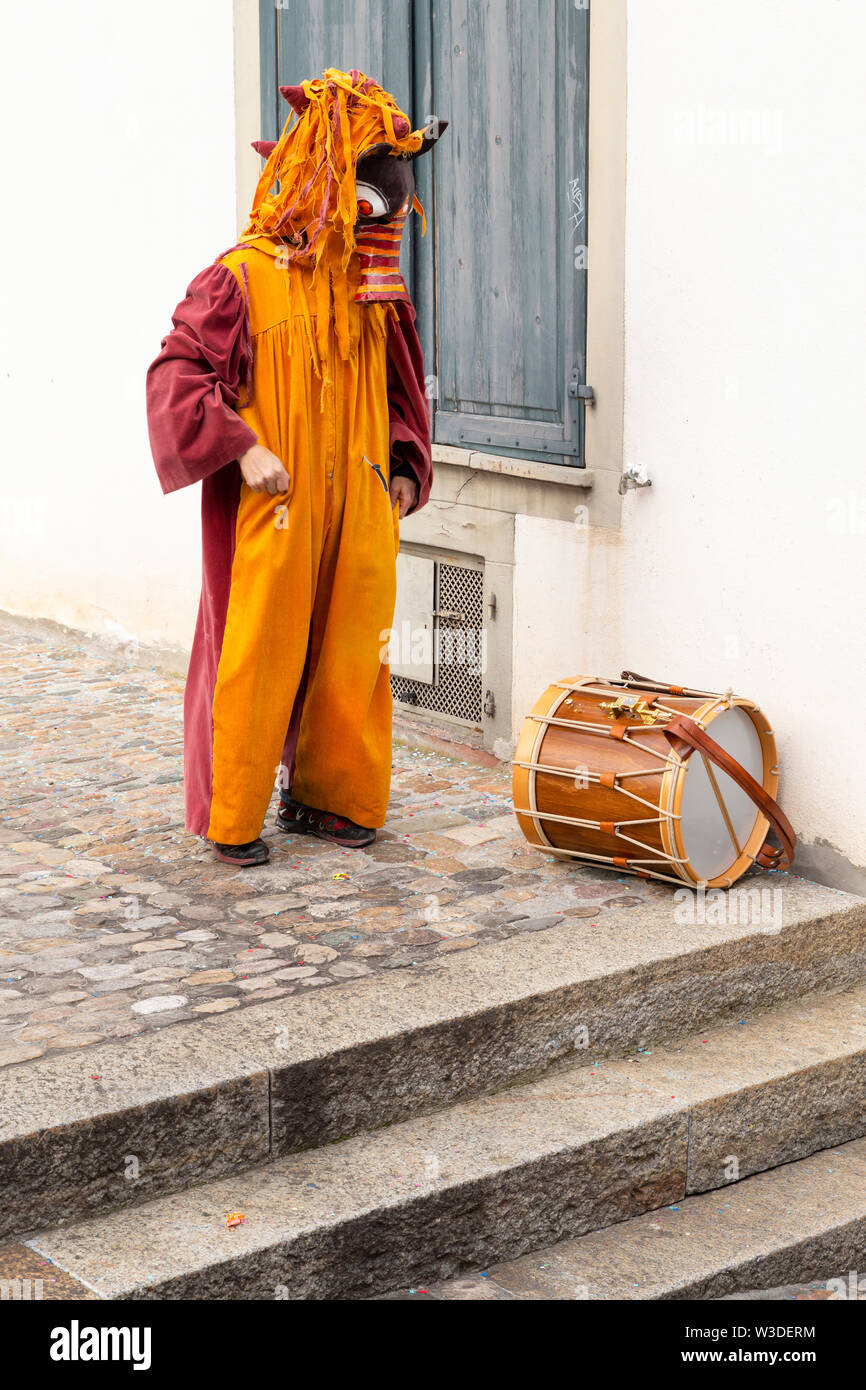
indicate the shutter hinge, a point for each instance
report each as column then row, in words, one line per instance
column 579, row 392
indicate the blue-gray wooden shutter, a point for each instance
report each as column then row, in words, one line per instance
column 502, row 304
column 499, row 282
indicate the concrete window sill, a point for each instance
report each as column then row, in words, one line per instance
column 561, row 475
column 467, row 478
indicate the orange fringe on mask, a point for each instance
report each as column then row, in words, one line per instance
column 314, row 164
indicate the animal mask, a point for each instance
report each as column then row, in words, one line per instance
column 343, row 176
column 384, row 182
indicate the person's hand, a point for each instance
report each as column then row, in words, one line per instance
column 263, row 471
column 404, row 492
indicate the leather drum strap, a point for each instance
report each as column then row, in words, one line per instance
column 687, row 737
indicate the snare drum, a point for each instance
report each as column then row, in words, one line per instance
column 651, row 779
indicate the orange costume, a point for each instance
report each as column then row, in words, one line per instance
column 301, row 338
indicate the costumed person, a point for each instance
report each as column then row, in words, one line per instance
column 292, row 387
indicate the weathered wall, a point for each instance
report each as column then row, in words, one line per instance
column 122, row 177
column 744, row 384
column 745, row 304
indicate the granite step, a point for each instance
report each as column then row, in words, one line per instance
column 583, row 1149
column 804, row 1221
column 164, row 1111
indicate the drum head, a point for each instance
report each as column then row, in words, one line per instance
column 706, row 838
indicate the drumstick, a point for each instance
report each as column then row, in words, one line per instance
column 722, row 807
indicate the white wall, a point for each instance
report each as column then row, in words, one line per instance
column 567, row 606
column 745, row 375
column 743, row 565
column 119, row 173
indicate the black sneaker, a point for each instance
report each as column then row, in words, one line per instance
column 243, row 856
column 293, row 818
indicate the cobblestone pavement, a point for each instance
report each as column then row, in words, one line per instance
column 114, row 921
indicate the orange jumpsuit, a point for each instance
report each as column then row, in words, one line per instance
column 314, row 570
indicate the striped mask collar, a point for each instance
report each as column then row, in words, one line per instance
column 378, row 249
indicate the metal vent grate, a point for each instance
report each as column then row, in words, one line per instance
column 459, row 649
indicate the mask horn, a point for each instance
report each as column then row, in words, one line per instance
column 296, row 97
column 432, row 132
column 264, row 147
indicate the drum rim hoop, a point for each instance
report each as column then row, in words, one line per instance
column 673, row 783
